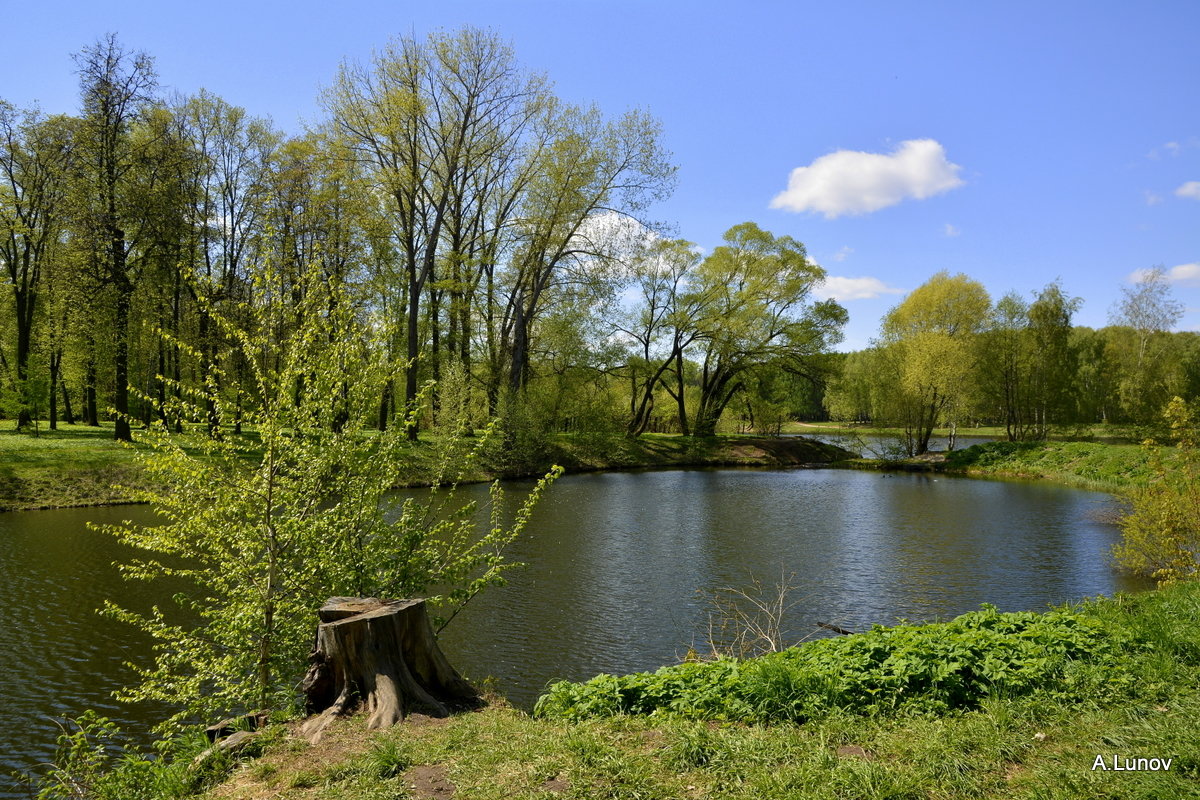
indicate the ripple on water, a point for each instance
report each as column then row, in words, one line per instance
column 619, row 568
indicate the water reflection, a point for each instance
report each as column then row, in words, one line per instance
column 619, row 565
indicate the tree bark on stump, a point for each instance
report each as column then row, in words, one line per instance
column 380, row 656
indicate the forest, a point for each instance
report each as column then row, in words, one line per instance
column 491, row 239
column 495, row 247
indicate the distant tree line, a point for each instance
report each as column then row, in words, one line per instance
column 948, row 356
column 492, row 239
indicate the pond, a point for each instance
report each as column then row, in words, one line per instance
column 621, row 567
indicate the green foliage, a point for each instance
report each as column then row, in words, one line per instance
column 1142, row 347
column 928, row 354
column 1009, row 747
column 1029, row 362
column 1061, row 655
column 755, row 292
column 1118, row 468
column 266, row 527
column 91, row 763
column 25, row 399
column 1161, row 534
column 524, row 443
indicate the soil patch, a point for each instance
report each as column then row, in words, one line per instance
column 429, row 781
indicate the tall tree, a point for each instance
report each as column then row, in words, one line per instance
column 660, row 326
column 35, row 154
column 116, row 86
column 591, row 172
column 757, row 288
column 231, row 153
column 424, row 117
column 1052, row 357
column 1004, row 366
column 1148, row 311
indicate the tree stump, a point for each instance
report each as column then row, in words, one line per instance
column 380, row 656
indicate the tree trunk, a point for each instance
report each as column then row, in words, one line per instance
column 679, row 398
column 121, row 431
column 67, row 414
column 413, row 351
column 380, row 656
column 55, row 360
column 91, row 417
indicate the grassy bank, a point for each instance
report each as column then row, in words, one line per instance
column 1115, row 468
column 1107, row 467
column 80, row 466
column 1104, row 433
column 1125, row 685
column 73, row 466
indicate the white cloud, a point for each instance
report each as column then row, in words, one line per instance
column 1190, row 189
column 1170, row 148
column 1173, row 149
column 1181, row 274
column 950, row 231
column 1152, row 199
column 608, row 242
column 853, row 182
column 840, row 255
column 843, row 289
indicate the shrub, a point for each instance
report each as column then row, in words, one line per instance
column 934, row 668
column 1162, row 531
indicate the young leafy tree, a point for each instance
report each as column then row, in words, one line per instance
column 1095, row 379
column 1028, row 362
column 266, row 526
column 1161, row 534
column 932, row 339
column 851, row 395
column 1004, row 367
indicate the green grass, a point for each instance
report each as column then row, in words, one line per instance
column 1108, row 467
column 75, row 465
column 1104, row 433
column 1115, row 468
column 79, row 465
column 1041, row 744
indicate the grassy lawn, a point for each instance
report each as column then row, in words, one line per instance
column 79, row 465
column 1106, row 467
column 1116, row 468
column 75, row 465
column 1114, row 434
column 1039, row 745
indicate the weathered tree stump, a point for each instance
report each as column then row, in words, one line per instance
column 380, row 656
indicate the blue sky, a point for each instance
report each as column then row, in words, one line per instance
column 1018, row 142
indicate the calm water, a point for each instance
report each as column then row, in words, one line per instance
column 619, row 568
column 875, row 445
